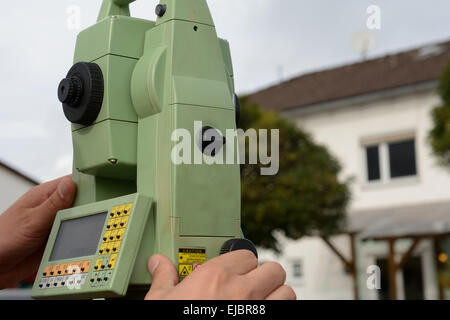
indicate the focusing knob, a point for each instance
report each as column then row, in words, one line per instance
column 210, row 141
column 238, row 244
column 81, row 93
column 69, row 90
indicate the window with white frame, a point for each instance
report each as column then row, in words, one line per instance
column 390, row 160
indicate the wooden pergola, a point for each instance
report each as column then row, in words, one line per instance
column 394, row 266
column 427, row 221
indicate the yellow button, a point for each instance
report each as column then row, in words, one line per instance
column 103, row 248
column 115, row 223
column 98, row 264
column 120, row 210
column 112, row 235
column 123, row 222
column 113, row 212
column 106, row 236
column 127, row 209
column 119, row 235
column 112, row 261
column 109, row 247
column 115, row 247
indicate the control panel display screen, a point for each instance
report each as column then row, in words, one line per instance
column 78, row 237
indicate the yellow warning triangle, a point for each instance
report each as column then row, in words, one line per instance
column 184, row 272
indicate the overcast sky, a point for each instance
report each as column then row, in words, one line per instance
column 270, row 40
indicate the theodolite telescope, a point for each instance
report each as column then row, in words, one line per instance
column 133, row 84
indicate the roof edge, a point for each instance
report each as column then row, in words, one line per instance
column 18, row 173
column 361, row 98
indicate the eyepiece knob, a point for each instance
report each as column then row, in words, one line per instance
column 238, row 244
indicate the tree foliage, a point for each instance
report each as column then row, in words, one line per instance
column 440, row 133
column 304, row 198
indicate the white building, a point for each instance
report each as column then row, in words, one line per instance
column 13, row 184
column 374, row 116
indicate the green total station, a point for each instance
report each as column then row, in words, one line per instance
column 138, row 90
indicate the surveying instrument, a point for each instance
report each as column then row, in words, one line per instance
column 133, row 84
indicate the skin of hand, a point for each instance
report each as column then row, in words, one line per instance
column 232, row 276
column 24, row 228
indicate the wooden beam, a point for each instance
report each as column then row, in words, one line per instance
column 392, row 270
column 354, row 269
column 408, row 236
column 438, row 268
column 347, row 263
column 408, row 254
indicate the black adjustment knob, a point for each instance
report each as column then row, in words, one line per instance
column 238, row 244
column 69, row 90
column 81, row 93
column 208, row 136
column 160, row 10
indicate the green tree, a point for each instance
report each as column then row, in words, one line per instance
column 440, row 134
column 304, row 198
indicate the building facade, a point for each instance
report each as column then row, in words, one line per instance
column 13, row 184
column 374, row 117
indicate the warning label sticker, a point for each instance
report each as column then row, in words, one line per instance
column 189, row 259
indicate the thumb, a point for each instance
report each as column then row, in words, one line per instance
column 164, row 274
column 61, row 198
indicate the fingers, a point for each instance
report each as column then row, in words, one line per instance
column 37, row 195
column 61, row 197
column 23, row 269
column 164, row 274
column 266, row 279
column 237, row 262
column 282, row 293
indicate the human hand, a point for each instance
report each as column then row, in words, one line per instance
column 24, row 228
column 232, row 276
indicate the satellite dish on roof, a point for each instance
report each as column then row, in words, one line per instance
column 362, row 42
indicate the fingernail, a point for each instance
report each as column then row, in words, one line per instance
column 154, row 262
column 62, row 189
